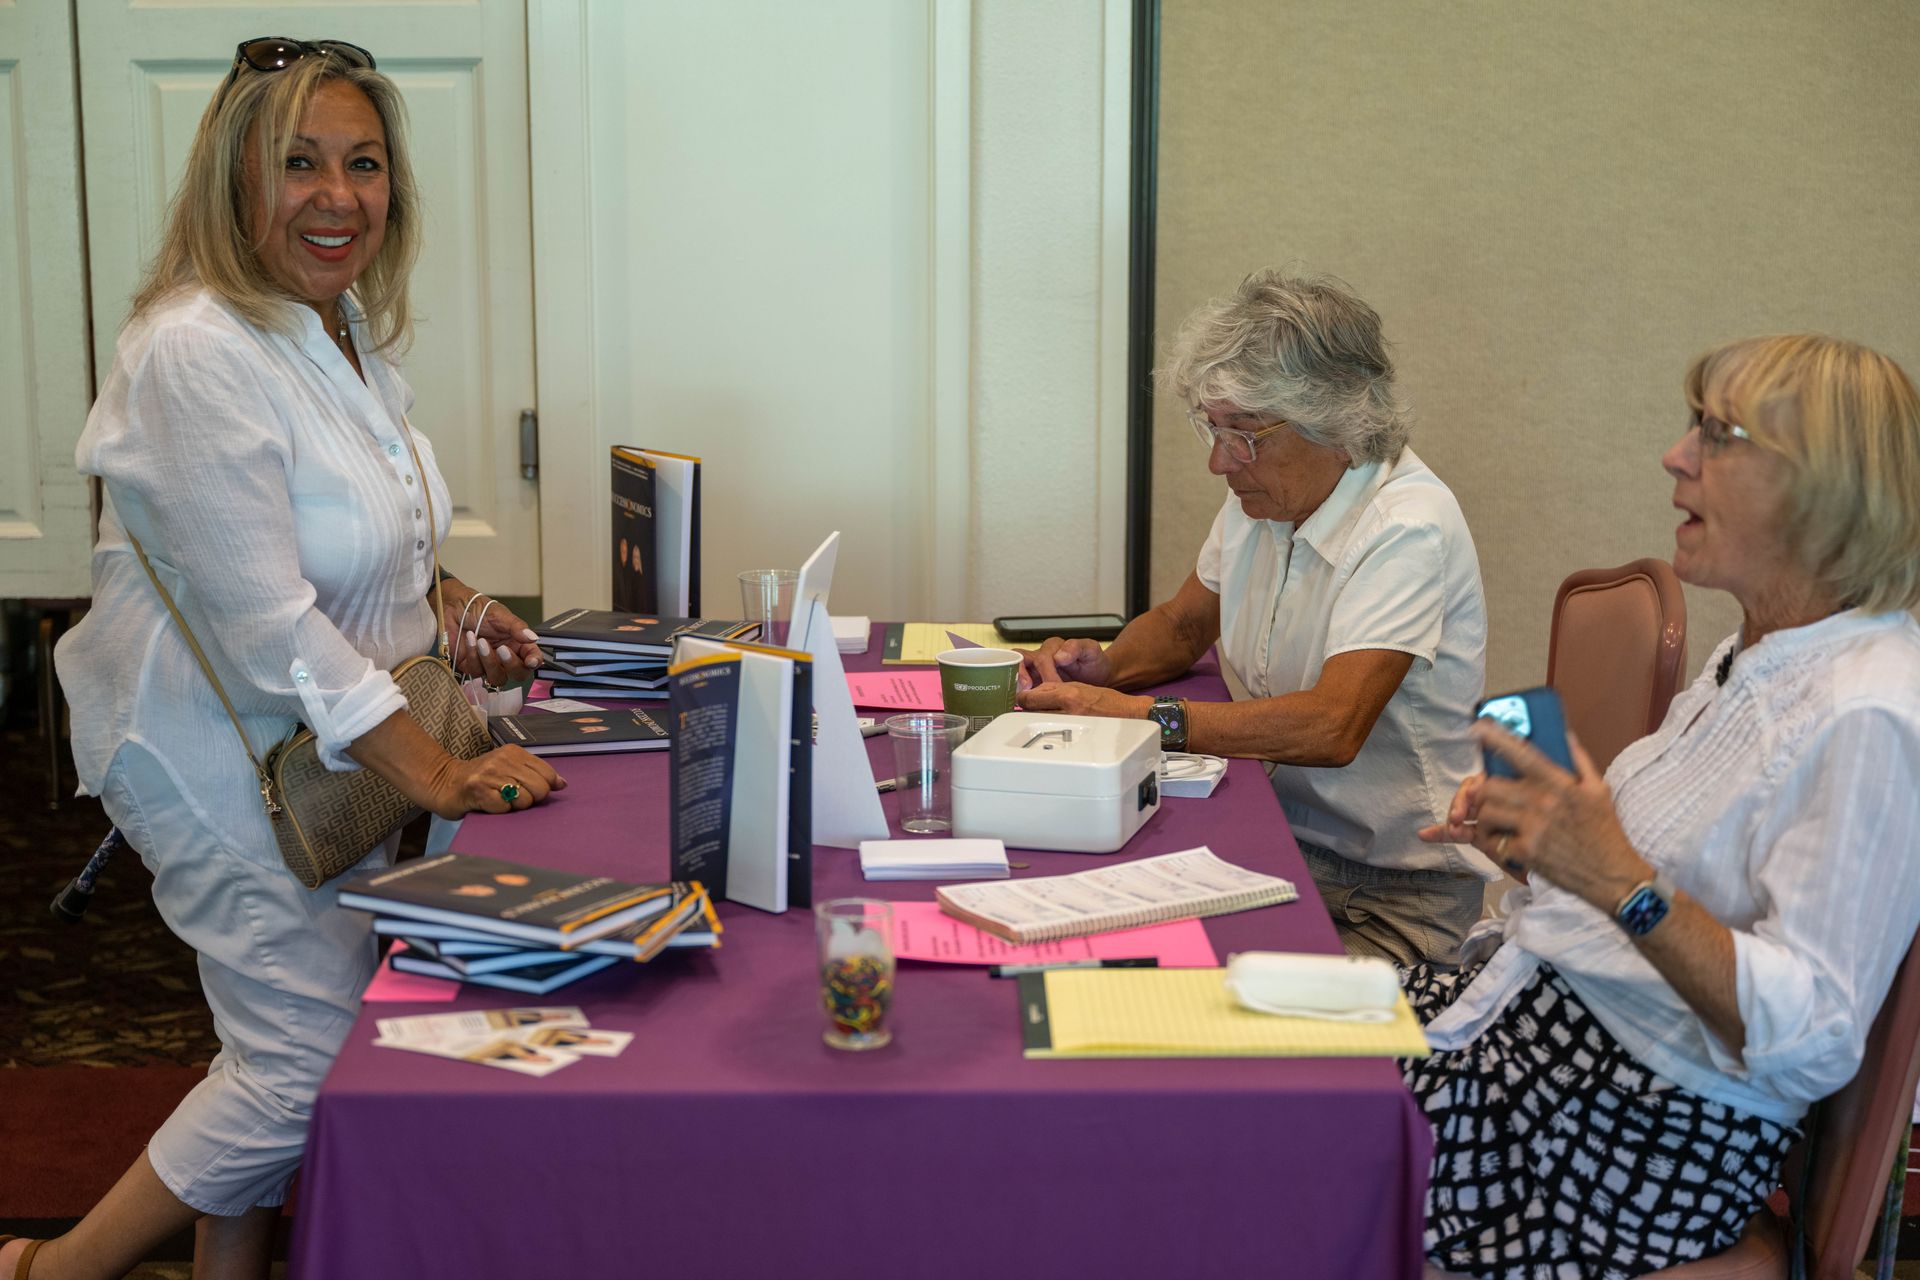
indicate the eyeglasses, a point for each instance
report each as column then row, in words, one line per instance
column 1715, row 435
column 276, row 53
column 1241, row 445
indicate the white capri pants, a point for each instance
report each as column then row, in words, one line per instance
column 282, row 967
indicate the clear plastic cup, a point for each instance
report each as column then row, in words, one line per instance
column 923, row 743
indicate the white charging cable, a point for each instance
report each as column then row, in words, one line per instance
column 1190, row 774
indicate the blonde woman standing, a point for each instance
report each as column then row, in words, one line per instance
column 252, row 436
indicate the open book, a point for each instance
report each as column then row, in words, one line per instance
column 1126, row 895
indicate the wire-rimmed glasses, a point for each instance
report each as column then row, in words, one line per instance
column 1241, row 444
column 1715, row 433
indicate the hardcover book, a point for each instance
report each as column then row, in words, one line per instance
column 491, row 895
column 664, row 574
column 702, row 929
column 635, row 589
column 534, row 980
column 630, row 632
column 586, row 733
column 741, row 717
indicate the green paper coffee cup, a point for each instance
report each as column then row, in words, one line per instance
column 978, row 684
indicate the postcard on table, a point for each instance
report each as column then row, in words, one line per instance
column 504, row 1051
column 431, row 1028
column 895, row 690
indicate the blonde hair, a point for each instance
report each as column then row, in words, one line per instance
column 1302, row 348
column 1848, row 421
column 208, row 239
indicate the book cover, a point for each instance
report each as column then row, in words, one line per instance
column 632, row 632
column 496, row 896
column 585, row 733
column 676, row 524
column 703, row 704
column 634, row 584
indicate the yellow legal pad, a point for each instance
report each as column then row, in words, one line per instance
column 924, row 642
column 1187, row 1013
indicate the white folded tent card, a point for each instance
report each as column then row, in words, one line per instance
column 1082, row 784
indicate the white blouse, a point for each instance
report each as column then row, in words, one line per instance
column 1386, row 562
column 279, row 501
column 1788, row 804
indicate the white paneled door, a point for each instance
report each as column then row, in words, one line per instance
column 45, row 530
column 147, row 72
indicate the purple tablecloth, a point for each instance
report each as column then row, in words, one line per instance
column 729, row 1141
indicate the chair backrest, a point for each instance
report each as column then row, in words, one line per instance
column 1618, row 650
column 1859, row 1129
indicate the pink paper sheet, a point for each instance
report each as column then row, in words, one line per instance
column 896, row 690
column 921, row 931
column 390, row 984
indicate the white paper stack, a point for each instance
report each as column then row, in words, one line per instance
column 933, row 859
column 850, row 634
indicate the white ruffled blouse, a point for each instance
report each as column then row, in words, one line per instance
column 1787, row 802
column 277, row 497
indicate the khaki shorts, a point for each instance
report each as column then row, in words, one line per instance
column 1408, row 917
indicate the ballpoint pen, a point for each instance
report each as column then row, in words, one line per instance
column 1042, row 966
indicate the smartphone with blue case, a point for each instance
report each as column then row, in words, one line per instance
column 1532, row 714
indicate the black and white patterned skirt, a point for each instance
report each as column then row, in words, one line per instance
column 1557, row 1154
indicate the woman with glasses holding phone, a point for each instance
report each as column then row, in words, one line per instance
column 252, row 436
column 1709, row 929
column 1341, row 584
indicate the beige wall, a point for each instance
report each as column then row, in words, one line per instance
column 1553, row 207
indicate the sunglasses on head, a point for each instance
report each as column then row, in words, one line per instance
column 267, row 54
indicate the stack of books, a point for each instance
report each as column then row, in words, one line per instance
column 504, row 924
column 582, row 733
column 600, row 653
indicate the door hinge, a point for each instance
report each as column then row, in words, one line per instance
column 529, row 444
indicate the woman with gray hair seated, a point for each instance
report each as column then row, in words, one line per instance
column 1342, row 586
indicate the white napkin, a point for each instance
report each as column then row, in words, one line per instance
column 1333, row 988
column 933, row 859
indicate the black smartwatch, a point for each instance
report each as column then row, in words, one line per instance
column 1646, row 905
column 1171, row 715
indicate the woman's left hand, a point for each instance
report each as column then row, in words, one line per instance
column 498, row 645
column 1553, row 823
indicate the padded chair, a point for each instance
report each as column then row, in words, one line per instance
column 1860, row 1130
column 1618, row 651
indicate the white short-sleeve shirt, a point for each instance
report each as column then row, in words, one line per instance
column 1385, row 563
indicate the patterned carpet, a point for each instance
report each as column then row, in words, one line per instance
column 117, row 989
column 102, row 1021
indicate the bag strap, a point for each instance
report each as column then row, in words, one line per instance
column 166, row 597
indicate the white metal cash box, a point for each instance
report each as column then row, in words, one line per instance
column 1083, row 784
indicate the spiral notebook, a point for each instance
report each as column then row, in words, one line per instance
column 1126, row 895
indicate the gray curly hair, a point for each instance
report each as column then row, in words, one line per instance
column 1303, row 348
